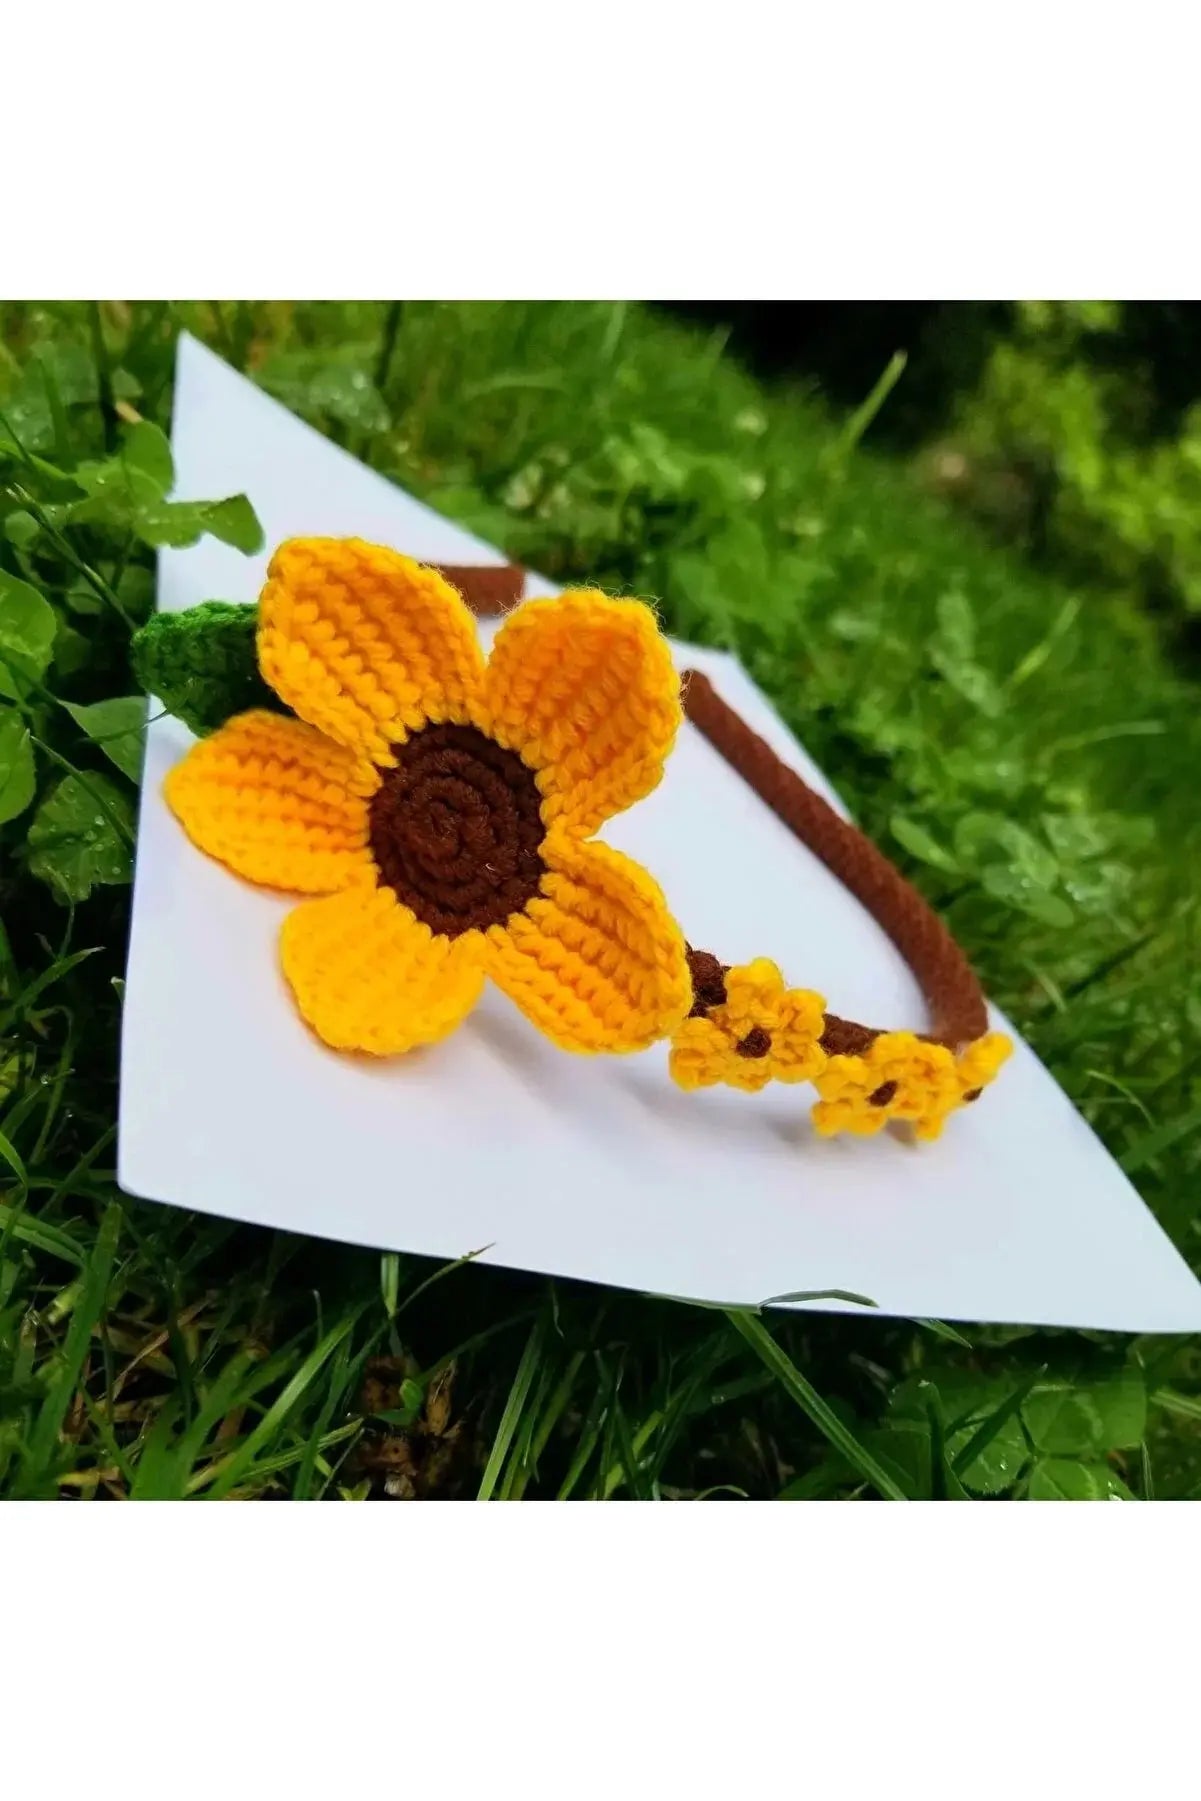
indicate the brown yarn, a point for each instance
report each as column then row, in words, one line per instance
column 488, row 589
column 757, row 1043
column 708, row 981
column 843, row 1038
column 951, row 988
column 456, row 829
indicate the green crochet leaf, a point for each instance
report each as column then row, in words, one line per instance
column 202, row 664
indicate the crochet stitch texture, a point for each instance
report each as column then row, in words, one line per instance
column 439, row 810
column 759, row 1032
column 902, row 1077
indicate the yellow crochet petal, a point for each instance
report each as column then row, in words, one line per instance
column 750, row 1074
column 831, row 1117
column 796, row 1052
column 596, row 961
column 366, row 644
column 583, row 688
column 277, row 803
column 753, row 992
column 900, row 1056
column 699, row 1054
column 846, row 1079
column 704, row 1051
column 980, row 1062
column 368, row 976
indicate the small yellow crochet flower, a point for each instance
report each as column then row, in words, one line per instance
column 441, row 807
column 762, row 1032
column 901, row 1076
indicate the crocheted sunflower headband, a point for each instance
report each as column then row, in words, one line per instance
column 438, row 811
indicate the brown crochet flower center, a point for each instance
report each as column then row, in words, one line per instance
column 456, row 829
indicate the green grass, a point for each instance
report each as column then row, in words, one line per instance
column 1023, row 749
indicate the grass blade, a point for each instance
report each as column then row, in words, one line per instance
column 446, row 1269
column 988, row 1428
column 41, row 1235
column 11, row 1156
column 944, row 1482
column 57, row 970
column 1186, row 1407
column 940, row 1329
column 630, row 1470
column 556, row 1407
column 756, row 1334
column 522, row 1383
column 1161, row 1139
column 631, row 1450
column 589, row 1436
column 240, row 1464
column 862, row 417
column 819, row 1294
column 43, row 1440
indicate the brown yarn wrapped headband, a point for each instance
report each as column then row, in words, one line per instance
column 948, row 981
column 958, row 1016
column 354, row 747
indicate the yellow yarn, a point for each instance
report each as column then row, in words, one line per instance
column 980, row 1063
column 367, row 976
column 596, row 961
column 368, row 648
column 583, row 688
column 911, row 1080
column 277, row 803
column 765, row 1032
column 366, row 644
column 705, row 1050
column 921, row 1077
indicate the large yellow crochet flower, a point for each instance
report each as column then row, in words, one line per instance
column 761, row 1032
column 442, row 807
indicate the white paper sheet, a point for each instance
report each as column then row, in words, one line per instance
column 592, row 1168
